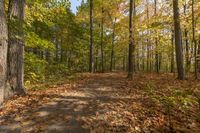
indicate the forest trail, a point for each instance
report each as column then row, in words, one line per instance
column 66, row 112
column 99, row 103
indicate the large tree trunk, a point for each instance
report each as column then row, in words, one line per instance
column 3, row 50
column 178, row 43
column 16, row 48
column 130, row 53
column 91, row 63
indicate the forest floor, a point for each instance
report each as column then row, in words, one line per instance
column 106, row 103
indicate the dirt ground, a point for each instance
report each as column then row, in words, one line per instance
column 106, row 103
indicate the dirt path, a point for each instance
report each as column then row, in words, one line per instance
column 66, row 112
column 103, row 103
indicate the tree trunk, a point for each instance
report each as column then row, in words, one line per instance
column 172, row 52
column 133, row 40
column 156, row 42
column 3, row 50
column 57, row 49
column 199, row 54
column 16, row 48
column 113, row 42
column 102, row 29
column 91, row 63
column 186, row 43
column 130, row 53
column 148, row 40
column 194, row 41
column 178, row 43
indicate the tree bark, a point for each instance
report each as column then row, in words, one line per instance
column 172, row 52
column 133, row 36
column 130, row 53
column 113, row 45
column 16, row 48
column 148, row 40
column 3, row 50
column 156, row 42
column 102, row 49
column 199, row 54
column 194, row 42
column 178, row 42
column 186, row 43
column 91, row 63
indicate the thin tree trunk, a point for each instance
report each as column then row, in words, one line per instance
column 16, row 47
column 156, row 42
column 113, row 43
column 143, row 57
column 198, row 54
column 133, row 37
column 178, row 44
column 61, row 50
column 91, row 63
column 194, row 41
column 187, row 51
column 130, row 53
column 186, row 43
column 57, row 49
column 148, row 40
column 172, row 52
column 3, row 50
column 102, row 29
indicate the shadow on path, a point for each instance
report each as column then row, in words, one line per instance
column 64, row 114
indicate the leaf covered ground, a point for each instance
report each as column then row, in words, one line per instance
column 107, row 103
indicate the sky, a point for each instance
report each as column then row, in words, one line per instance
column 74, row 4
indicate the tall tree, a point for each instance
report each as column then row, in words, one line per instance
column 102, row 37
column 194, row 41
column 130, row 53
column 156, row 40
column 172, row 52
column 186, row 42
column 148, row 38
column 178, row 42
column 91, row 65
column 113, row 43
column 3, row 50
column 16, row 47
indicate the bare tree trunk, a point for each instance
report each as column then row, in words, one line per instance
column 199, row 54
column 194, row 42
column 187, row 51
column 133, row 40
column 130, row 53
column 57, row 48
column 113, row 43
column 172, row 52
column 186, row 43
column 178, row 43
column 3, row 50
column 16, row 48
column 143, row 56
column 148, row 40
column 91, row 63
column 102, row 29
column 156, row 42
column 61, row 50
